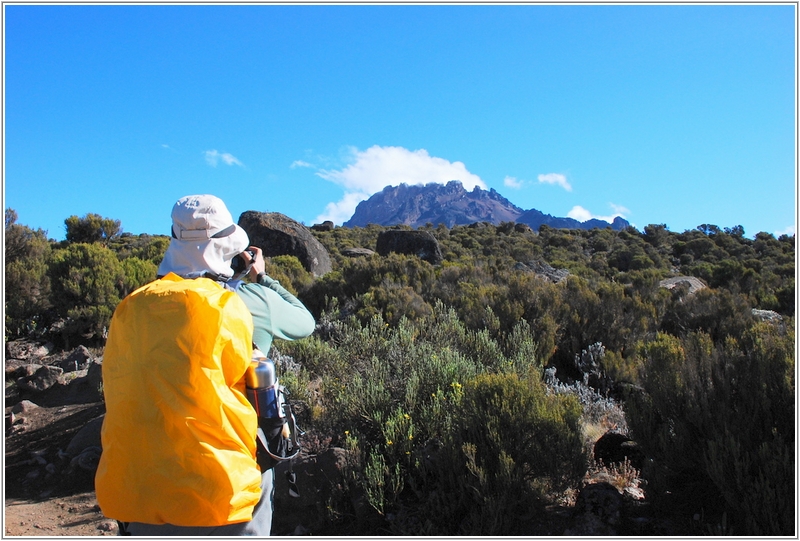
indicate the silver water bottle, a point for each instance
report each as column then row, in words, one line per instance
column 262, row 389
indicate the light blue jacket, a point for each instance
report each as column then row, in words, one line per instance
column 276, row 312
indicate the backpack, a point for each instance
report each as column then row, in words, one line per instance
column 178, row 435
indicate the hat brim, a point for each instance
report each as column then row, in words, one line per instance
column 240, row 241
column 192, row 258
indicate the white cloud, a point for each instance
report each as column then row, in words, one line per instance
column 213, row 157
column 556, row 178
column 581, row 214
column 373, row 169
column 790, row 230
column 341, row 211
column 300, row 163
column 619, row 210
column 512, row 182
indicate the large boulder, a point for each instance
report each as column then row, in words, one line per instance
column 692, row 284
column 88, row 436
column 277, row 234
column 16, row 369
column 543, row 269
column 43, row 379
column 614, row 448
column 356, row 252
column 327, row 225
column 419, row 243
column 767, row 315
column 94, row 376
column 27, row 350
column 79, row 359
column 598, row 511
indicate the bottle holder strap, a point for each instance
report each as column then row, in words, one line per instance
column 273, row 442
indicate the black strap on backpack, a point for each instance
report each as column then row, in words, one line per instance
column 274, row 446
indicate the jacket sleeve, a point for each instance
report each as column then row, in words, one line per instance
column 276, row 312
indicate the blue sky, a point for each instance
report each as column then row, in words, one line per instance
column 673, row 114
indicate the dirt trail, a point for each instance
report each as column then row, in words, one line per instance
column 44, row 496
column 77, row 515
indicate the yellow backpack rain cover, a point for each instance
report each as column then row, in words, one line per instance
column 179, row 436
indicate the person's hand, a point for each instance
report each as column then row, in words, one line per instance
column 258, row 262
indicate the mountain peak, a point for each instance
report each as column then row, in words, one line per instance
column 416, row 205
column 450, row 204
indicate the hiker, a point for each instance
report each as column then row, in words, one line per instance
column 179, row 435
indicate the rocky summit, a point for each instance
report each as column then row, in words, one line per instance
column 451, row 204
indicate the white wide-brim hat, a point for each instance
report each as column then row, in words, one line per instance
column 205, row 238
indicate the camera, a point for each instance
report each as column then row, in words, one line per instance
column 240, row 266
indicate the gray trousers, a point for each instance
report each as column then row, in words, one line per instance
column 260, row 525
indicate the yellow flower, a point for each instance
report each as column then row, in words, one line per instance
column 388, row 442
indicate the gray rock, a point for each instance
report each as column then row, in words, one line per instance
column 327, row 225
column 87, row 460
column 16, row 369
column 79, row 359
column 24, row 407
column 108, row 526
column 44, row 378
column 357, row 252
column 94, row 374
column 86, row 437
column 615, row 448
column 419, row 243
column 24, row 349
column 540, row 268
column 767, row 315
column 601, row 499
column 694, row 284
column 277, row 234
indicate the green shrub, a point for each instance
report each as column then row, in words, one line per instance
column 27, row 285
column 137, row 272
column 720, row 416
column 147, row 247
column 288, row 270
column 393, row 302
column 390, row 391
column 510, row 446
column 91, row 228
column 86, row 281
column 151, row 248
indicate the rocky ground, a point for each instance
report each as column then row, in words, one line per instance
column 46, row 493
column 53, row 412
column 74, row 516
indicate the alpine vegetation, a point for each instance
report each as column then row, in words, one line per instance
column 467, row 393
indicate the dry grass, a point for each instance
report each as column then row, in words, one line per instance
column 621, row 475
